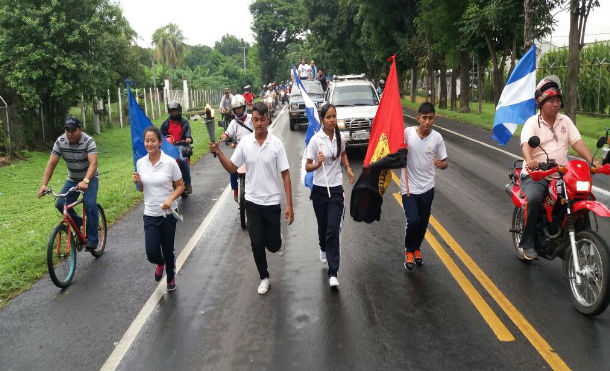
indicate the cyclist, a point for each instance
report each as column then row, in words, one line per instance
column 80, row 155
column 239, row 127
column 179, row 129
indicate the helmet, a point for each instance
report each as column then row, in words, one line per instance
column 227, row 90
column 239, row 102
column 174, row 105
column 382, row 82
column 547, row 88
column 247, row 87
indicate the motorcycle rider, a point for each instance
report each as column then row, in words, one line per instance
column 557, row 133
column 225, row 106
column 380, row 88
column 180, row 130
column 240, row 126
column 248, row 96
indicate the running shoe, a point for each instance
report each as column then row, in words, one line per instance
column 263, row 287
column 418, row 260
column 409, row 265
column 171, row 285
column 333, row 282
column 158, row 272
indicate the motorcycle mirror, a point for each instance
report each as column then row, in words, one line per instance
column 534, row 141
column 600, row 142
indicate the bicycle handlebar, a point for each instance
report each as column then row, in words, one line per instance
column 56, row 195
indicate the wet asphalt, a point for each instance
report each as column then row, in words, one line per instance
column 381, row 318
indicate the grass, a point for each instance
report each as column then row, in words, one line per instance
column 26, row 222
column 591, row 128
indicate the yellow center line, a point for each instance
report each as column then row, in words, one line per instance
column 513, row 313
column 532, row 335
column 494, row 322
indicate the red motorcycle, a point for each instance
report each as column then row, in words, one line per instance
column 565, row 230
column 187, row 152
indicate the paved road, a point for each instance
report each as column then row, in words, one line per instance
column 472, row 306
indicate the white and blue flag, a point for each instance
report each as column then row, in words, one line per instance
column 517, row 102
column 313, row 120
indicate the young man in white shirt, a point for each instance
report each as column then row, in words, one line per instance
column 304, row 70
column 426, row 152
column 265, row 159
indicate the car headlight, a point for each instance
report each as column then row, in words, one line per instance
column 583, row 186
column 294, row 106
column 341, row 124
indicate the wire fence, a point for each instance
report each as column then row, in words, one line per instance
column 21, row 129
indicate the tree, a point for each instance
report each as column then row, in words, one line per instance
column 232, row 47
column 579, row 12
column 277, row 24
column 51, row 52
column 169, row 45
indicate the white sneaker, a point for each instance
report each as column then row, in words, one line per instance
column 323, row 257
column 263, row 287
column 282, row 249
column 333, row 282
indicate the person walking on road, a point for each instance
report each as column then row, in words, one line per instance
column 265, row 159
column 426, row 152
column 80, row 154
column 557, row 133
column 159, row 177
column 326, row 147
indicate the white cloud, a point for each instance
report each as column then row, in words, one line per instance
column 201, row 21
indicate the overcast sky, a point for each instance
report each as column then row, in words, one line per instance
column 205, row 21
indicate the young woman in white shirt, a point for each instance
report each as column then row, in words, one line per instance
column 325, row 147
column 159, row 177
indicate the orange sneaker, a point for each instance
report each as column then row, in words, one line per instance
column 409, row 265
column 418, row 260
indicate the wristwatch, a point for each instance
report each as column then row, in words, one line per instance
column 86, row 181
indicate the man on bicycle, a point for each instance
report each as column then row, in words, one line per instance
column 239, row 127
column 179, row 129
column 80, row 155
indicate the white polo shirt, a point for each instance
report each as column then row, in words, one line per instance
column 158, row 180
column 332, row 163
column 263, row 167
column 420, row 160
column 236, row 131
column 304, row 70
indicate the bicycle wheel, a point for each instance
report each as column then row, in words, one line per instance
column 61, row 256
column 242, row 201
column 101, row 233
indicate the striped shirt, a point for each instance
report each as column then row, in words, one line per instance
column 75, row 155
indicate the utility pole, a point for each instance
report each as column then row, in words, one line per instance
column 244, row 48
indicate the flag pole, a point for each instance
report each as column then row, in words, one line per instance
column 325, row 177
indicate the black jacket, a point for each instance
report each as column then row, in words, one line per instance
column 186, row 128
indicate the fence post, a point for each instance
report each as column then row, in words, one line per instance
column 145, row 104
column 137, row 100
column 158, row 104
column 185, row 94
column 8, row 129
column 44, row 139
column 120, row 108
column 152, row 103
column 82, row 109
column 109, row 108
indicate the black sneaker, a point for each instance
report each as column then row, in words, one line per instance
column 530, row 253
column 171, row 285
column 158, row 272
column 189, row 189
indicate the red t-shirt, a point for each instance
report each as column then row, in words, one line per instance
column 175, row 130
column 249, row 97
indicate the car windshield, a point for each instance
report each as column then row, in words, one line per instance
column 354, row 95
column 312, row 87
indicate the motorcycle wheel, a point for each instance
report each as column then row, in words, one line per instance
column 591, row 297
column 242, row 201
column 517, row 231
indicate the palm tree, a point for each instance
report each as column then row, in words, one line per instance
column 169, row 45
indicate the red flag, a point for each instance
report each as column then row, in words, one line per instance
column 387, row 133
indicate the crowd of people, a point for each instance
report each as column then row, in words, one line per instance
column 162, row 179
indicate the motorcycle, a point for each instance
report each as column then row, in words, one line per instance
column 269, row 100
column 283, row 96
column 187, row 152
column 565, row 229
column 227, row 117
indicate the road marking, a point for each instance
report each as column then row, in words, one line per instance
column 134, row 329
column 494, row 322
column 595, row 189
column 513, row 313
column 537, row 341
column 278, row 116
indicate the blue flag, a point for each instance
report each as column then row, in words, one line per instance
column 517, row 102
column 313, row 125
column 139, row 122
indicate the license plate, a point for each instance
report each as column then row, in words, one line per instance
column 360, row 135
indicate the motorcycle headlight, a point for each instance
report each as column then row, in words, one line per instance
column 582, row 186
column 341, row 124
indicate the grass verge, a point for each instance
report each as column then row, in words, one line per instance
column 26, row 222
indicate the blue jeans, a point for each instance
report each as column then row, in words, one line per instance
column 159, row 234
column 184, row 167
column 90, row 201
column 417, row 210
column 329, row 214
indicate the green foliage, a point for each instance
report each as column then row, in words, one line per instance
column 169, row 45
column 593, row 77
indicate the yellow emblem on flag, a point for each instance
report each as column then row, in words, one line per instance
column 382, row 150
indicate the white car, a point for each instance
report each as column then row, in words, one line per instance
column 356, row 102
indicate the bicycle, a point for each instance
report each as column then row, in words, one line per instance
column 67, row 238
